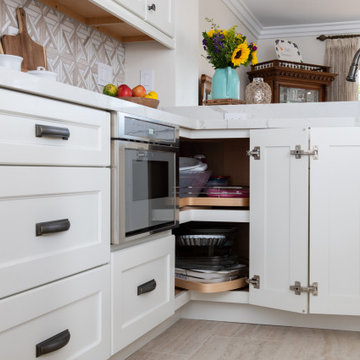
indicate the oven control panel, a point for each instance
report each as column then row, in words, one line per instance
column 128, row 127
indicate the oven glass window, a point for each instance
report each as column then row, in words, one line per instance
column 151, row 179
column 150, row 189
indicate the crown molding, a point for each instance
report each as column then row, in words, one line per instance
column 248, row 19
column 271, row 32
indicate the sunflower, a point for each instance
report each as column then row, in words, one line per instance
column 254, row 59
column 240, row 54
column 210, row 33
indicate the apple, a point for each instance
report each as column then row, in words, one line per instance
column 124, row 90
column 139, row 91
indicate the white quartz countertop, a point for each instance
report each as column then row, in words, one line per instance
column 212, row 118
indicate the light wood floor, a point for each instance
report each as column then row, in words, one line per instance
column 212, row 340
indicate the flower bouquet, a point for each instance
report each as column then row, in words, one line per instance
column 226, row 51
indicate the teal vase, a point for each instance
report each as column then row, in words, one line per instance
column 225, row 84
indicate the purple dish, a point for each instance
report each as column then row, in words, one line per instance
column 227, row 192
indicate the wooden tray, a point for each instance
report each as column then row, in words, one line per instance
column 213, row 201
column 224, row 102
column 153, row 103
column 211, row 288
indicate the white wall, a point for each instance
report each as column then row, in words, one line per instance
column 225, row 18
column 152, row 56
column 175, row 72
column 312, row 50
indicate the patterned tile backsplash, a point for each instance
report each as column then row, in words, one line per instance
column 73, row 49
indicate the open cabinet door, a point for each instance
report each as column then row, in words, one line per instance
column 335, row 221
column 279, row 219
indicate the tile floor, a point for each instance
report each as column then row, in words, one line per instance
column 212, row 340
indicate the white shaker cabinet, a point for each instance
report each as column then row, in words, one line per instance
column 160, row 13
column 278, row 218
column 138, row 7
column 154, row 18
column 142, row 283
column 305, row 220
column 335, row 221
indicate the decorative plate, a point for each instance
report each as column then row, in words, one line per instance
column 287, row 50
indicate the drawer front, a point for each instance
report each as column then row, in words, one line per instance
column 31, row 199
column 33, row 130
column 79, row 304
column 142, row 289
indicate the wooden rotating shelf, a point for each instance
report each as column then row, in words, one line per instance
column 211, row 288
column 212, row 201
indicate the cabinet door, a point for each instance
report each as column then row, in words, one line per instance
column 160, row 13
column 335, row 221
column 138, row 7
column 142, row 289
column 279, row 219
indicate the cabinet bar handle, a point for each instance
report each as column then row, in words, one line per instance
column 54, row 343
column 50, row 227
column 152, row 7
column 146, row 287
column 52, row 131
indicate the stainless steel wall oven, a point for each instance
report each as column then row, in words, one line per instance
column 144, row 177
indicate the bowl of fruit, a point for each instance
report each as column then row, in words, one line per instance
column 136, row 95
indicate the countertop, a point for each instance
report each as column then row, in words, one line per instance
column 228, row 117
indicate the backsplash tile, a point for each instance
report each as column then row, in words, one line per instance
column 73, row 49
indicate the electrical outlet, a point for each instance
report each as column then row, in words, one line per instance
column 105, row 74
column 146, row 79
column 12, row 30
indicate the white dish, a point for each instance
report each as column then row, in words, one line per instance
column 287, row 50
column 43, row 73
column 11, row 61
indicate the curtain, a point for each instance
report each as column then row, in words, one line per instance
column 338, row 55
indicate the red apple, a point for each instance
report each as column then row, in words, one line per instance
column 139, row 91
column 124, row 90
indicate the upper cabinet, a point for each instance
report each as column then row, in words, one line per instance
column 124, row 20
column 160, row 13
column 138, row 7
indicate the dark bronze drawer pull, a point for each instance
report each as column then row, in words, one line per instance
column 146, row 287
column 50, row 227
column 54, row 343
column 152, row 7
column 52, row 131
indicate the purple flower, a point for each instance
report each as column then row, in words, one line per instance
column 204, row 42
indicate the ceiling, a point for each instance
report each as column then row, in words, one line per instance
column 303, row 17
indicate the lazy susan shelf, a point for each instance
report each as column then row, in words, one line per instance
column 211, row 201
column 211, row 288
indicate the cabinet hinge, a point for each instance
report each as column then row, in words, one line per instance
column 298, row 289
column 298, row 152
column 255, row 281
column 255, row 152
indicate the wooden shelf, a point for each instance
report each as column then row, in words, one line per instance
column 211, row 288
column 230, row 297
column 213, row 201
column 224, row 102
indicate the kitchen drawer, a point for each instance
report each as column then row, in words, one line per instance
column 79, row 304
column 134, row 314
column 89, row 132
column 34, row 195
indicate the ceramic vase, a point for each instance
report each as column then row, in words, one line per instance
column 258, row 92
column 225, row 84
